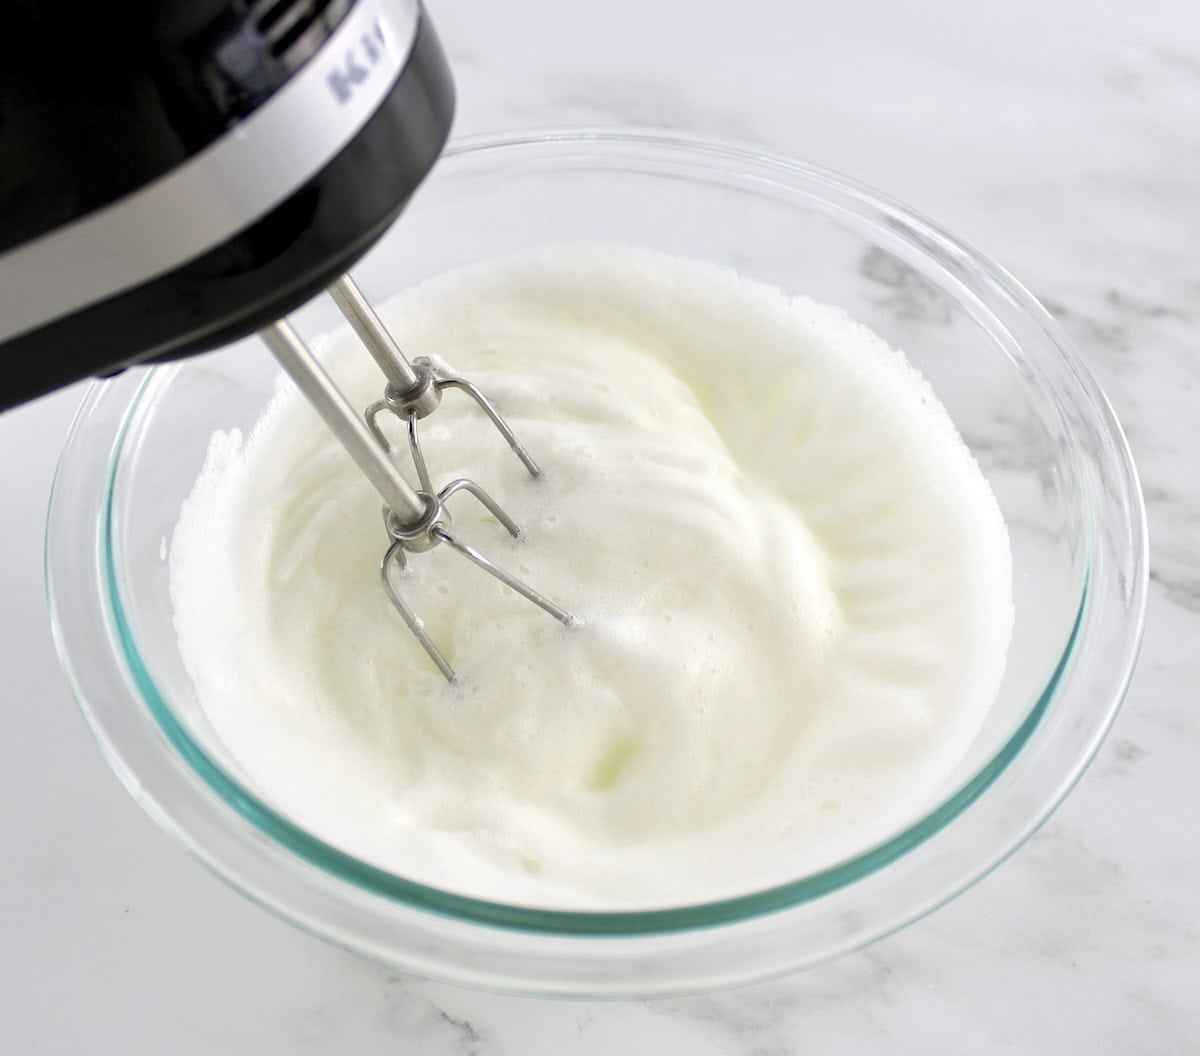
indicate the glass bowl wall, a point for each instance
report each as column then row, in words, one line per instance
column 1036, row 422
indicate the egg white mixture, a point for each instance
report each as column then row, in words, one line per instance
column 793, row 580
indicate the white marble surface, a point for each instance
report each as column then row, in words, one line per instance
column 1063, row 137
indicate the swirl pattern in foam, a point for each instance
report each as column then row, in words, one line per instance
column 794, row 579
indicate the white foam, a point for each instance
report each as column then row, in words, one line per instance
column 795, row 582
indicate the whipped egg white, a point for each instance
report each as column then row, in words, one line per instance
column 793, row 581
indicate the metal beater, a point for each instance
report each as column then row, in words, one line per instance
column 415, row 521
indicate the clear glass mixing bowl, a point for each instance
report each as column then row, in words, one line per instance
column 1036, row 421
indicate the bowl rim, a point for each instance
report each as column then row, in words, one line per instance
column 288, row 841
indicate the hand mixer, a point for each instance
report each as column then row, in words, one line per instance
column 177, row 174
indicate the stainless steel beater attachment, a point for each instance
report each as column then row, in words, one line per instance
column 413, row 390
column 416, row 521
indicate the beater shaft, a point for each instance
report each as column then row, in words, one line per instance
column 372, row 333
column 344, row 422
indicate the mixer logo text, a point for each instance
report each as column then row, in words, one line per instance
column 356, row 67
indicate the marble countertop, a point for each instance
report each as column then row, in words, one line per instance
column 1060, row 136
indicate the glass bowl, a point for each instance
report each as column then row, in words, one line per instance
column 1024, row 403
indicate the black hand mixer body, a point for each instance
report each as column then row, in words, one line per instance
column 175, row 175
